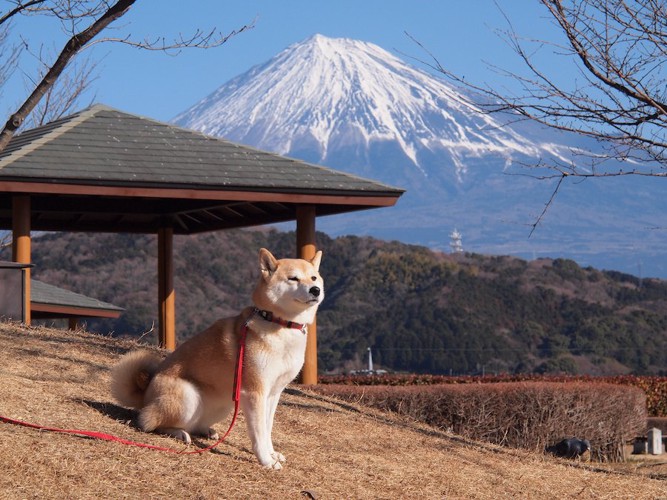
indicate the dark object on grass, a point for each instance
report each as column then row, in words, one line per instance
column 569, row 448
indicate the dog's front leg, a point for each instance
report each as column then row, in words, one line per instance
column 271, row 405
column 256, row 414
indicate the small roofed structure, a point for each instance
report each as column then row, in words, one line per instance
column 103, row 170
column 52, row 302
column 46, row 301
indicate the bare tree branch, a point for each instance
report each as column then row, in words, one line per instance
column 64, row 96
column 20, row 7
column 198, row 40
column 85, row 20
column 70, row 49
column 8, row 56
column 619, row 49
column 619, row 97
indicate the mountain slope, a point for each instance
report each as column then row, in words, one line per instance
column 352, row 94
column 354, row 106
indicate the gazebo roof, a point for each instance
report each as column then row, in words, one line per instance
column 51, row 301
column 105, row 170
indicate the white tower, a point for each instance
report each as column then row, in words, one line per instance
column 370, row 360
column 455, row 241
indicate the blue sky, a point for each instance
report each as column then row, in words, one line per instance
column 460, row 33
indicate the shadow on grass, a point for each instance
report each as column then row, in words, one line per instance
column 113, row 411
column 129, row 417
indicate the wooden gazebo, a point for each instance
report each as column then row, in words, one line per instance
column 103, row 170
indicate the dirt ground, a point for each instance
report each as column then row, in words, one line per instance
column 334, row 449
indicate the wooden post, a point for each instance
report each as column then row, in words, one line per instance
column 166, row 294
column 306, row 249
column 21, row 245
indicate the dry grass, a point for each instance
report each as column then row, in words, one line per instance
column 334, row 449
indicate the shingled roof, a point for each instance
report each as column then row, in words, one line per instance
column 105, row 170
column 48, row 301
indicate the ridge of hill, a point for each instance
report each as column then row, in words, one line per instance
column 418, row 310
column 334, row 449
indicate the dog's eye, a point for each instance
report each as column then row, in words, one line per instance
column 314, row 278
column 293, row 278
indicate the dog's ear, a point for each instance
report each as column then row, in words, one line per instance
column 267, row 262
column 316, row 260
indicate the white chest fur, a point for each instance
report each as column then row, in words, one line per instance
column 276, row 352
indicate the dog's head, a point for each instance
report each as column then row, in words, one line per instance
column 290, row 288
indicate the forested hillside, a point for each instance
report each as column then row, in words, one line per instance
column 418, row 310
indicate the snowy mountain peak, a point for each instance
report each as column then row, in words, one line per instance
column 332, row 94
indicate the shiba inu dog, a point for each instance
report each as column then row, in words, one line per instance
column 191, row 389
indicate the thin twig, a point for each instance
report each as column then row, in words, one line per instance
column 548, row 204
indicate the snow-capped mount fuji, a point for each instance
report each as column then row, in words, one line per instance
column 353, row 106
column 326, row 95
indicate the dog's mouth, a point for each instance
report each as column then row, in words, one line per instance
column 309, row 301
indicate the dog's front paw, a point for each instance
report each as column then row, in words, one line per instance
column 270, row 462
column 212, row 434
column 278, row 457
column 274, row 465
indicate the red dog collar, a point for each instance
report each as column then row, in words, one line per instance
column 268, row 316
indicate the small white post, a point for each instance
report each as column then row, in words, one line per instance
column 655, row 441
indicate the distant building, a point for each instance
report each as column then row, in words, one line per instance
column 455, row 242
column 370, row 370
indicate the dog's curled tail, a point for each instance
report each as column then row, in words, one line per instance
column 131, row 376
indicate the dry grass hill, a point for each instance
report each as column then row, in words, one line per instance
column 334, row 449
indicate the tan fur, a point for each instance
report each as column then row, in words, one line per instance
column 192, row 388
column 130, row 377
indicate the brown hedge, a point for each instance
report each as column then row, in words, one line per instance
column 654, row 387
column 527, row 415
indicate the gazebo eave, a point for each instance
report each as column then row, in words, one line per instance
column 144, row 209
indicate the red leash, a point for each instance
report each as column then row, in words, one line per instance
column 236, row 396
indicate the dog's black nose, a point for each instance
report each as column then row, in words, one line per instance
column 315, row 291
